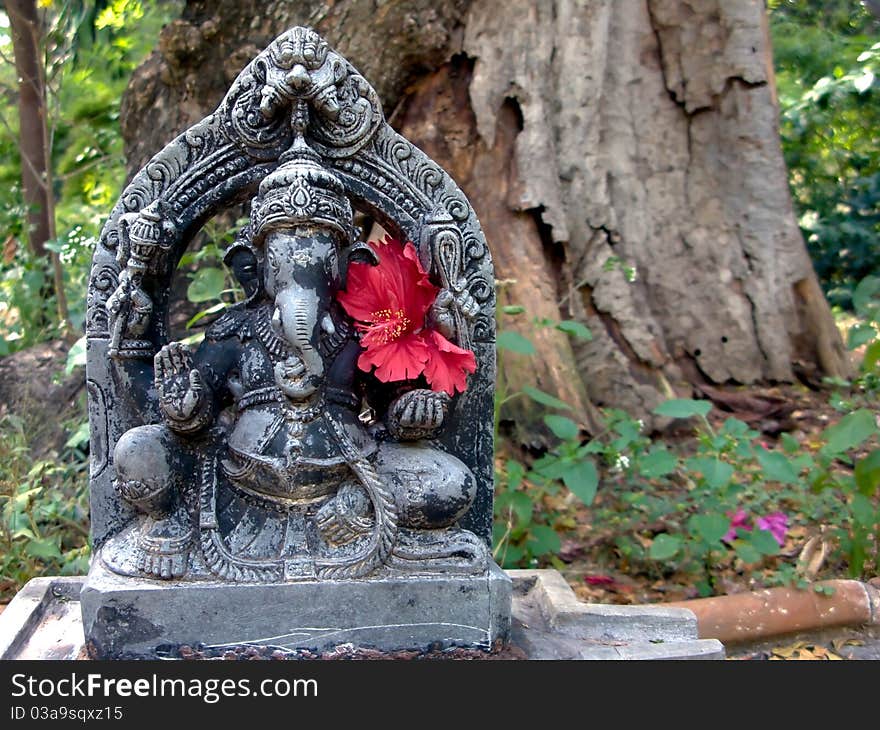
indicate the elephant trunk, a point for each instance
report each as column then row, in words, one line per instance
column 296, row 320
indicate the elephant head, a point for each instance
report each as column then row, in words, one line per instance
column 301, row 276
column 302, row 221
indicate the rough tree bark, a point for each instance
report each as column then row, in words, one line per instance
column 593, row 137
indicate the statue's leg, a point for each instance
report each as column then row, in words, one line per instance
column 432, row 489
column 151, row 466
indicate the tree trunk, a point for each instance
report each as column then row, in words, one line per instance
column 35, row 182
column 623, row 158
column 34, row 147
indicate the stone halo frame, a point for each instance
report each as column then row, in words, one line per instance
column 219, row 162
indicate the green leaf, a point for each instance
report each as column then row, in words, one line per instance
column 664, row 546
column 864, row 296
column 776, row 467
column 42, row 549
column 511, row 554
column 575, row 329
column 867, row 473
column 76, row 356
column 551, row 467
column 710, row 527
column 862, row 510
column 683, row 408
column 543, row 540
column 513, row 309
column 717, row 473
column 658, row 462
column 734, row 427
column 514, row 342
column 859, row 334
column 764, row 542
column 522, row 507
column 849, row 432
column 583, row 481
column 78, row 438
column 218, row 307
column 562, row 427
column 545, row 399
column 207, row 284
column 802, row 461
column 515, row 473
column 864, row 82
column 789, row 443
column 872, row 356
column 746, row 552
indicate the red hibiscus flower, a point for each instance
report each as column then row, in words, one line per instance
column 389, row 303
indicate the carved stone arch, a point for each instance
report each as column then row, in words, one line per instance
column 220, row 161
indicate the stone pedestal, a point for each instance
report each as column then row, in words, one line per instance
column 137, row 618
column 44, row 621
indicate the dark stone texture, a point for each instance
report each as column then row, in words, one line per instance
column 126, row 618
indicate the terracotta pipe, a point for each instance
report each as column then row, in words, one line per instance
column 749, row 616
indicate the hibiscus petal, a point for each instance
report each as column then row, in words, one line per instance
column 398, row 283
column 407, row 278
column 363, row 293
column 402, row 359
column 448, row 364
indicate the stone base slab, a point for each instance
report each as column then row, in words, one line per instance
column 549, row 622
column 138, row 618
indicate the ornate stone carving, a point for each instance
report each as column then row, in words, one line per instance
column 267, row 454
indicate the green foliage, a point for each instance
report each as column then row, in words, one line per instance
column 732, row 475
column 43, row 507
column 91, row 50
column 525, row 530
column 724, row 505
column 827, row 59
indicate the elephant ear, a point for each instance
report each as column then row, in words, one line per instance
column 361, row 252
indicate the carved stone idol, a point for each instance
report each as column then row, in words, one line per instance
column 318, row 470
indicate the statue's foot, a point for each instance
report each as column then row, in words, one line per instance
column 164, row 545
column 451, row 550
column 346, row 516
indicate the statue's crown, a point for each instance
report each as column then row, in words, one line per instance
column 301, row 191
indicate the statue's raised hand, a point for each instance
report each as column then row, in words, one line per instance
column 447, row 304
column 182, row 395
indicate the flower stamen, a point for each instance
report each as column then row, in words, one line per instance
column 388, row 326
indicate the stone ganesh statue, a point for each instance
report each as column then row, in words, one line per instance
column 297, row 486
column 333, row 430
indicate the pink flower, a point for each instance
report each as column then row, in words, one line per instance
column 776, row 523
column 740, row 519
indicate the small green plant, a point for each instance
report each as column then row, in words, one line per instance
column 741, row 496
column 211, row 281
column 43, row 507
column 722, row 501
column 526, row 527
